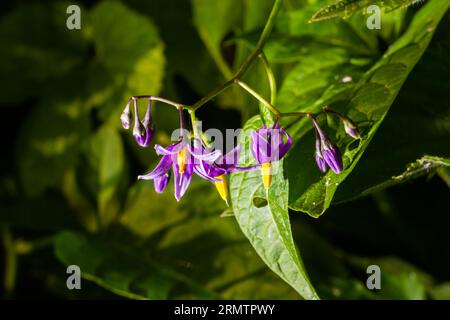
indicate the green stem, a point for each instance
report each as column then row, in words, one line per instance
column 10, row 262
column 257, row 96
column 270, row 106
column 193, row 124
column 159, row 99
column 246, row 64
column 270, row 78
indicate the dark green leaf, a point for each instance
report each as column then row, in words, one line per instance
column 130, row 51
column 39, row 56
column 49, row 143
column 417, row 131
column 213, row 29
column 120, row 269
column 368, row 104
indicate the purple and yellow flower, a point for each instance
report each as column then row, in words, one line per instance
column 327, row 153
column 269, row 145
column 217, row 170
column 183, row 159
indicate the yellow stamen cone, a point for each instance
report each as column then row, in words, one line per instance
column 266, row 172
column 181, row 160
column 222, row 187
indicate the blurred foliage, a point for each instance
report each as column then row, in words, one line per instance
column 68, row 191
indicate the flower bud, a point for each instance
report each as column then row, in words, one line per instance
column 125, row 117
column 329, row 152
column 142, row 131
column 141, row 134
column 321, row 164
column 351, row 129
column 320, row 161
column 332, row 156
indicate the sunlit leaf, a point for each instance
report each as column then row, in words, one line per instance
column 266, row 224
column 346, row 8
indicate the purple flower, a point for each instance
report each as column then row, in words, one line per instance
column 183, row 159
column 267, row 146
column 326, row 151
column 215, row 171
column 143, row 131
column 224, row 164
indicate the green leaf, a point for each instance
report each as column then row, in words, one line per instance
column 399, row 279
column 120, row 269
column 367, row 104
column 213, row 29
column 183, row 53
column 106, row 164
column 39, row 57
column 350, row 34
column 441, row 292
column 346, row 8
column 423, row 166
column 266, row 223
column 147, row 212
column 130, row 51
column 415, row 139
column 329, row 70
column 191, row 237
column 49, row 142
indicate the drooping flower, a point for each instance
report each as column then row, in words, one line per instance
column 267, row 146
column 183, row 159
column 143, row 131
column 326, row 150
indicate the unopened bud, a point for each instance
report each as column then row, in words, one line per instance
column 126, row 117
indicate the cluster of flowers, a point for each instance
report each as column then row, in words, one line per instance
column 190, row 155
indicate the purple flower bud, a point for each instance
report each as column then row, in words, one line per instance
column 143, row 131
column 330, row 153
column 351, row 129
column 332, row 156
column 142, row 135
column 125, row 117
column 320, row 161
